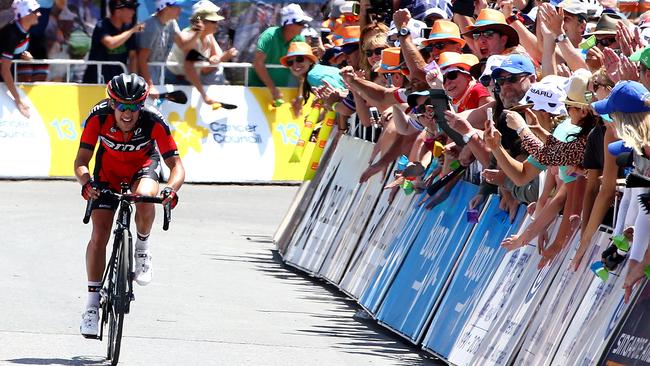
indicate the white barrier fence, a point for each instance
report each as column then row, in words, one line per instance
column 446, row 284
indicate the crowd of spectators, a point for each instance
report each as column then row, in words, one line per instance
column 544, row 104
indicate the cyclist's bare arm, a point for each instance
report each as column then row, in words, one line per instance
column 81, row 170
column 176, row 172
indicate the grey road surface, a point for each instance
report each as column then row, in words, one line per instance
column 220, row 294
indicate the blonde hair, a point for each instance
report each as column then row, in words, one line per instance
column 633, row 128
column 372, row 36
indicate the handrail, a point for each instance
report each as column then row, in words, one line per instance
column 69, row 62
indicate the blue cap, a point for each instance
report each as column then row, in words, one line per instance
column 349, row 48
column 618, row 147
column 515, row 64
column 626, row 97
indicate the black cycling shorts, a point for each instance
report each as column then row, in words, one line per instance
column 106, row 202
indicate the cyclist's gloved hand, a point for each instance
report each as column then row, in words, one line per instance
column 170, row 196
column 89, row 190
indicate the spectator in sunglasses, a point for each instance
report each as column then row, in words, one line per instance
column 371, row 49
column 491, row 35
column 444, row 37
column 605, row 31
column 513, row 78
column 303, row 64
column 464, row 91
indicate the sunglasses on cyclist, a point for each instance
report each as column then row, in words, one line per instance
column 452, row 75
column 298, row 59
column 486, row 33
column 376, row 51
column 606, row 42
column 511, row 79
column 133, row 107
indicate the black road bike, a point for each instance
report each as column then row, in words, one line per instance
column 117, row 282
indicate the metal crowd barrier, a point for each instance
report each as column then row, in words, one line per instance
column 69, row 63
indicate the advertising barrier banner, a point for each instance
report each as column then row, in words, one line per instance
column 557, row 308
column 631, row 344
column 354, row 223
column 387, row 220
column 334, row 204
column 248, row 144
column 423, row 275
column 507, row 316
column 481, row 256
column 391, row 260
column 600, row 311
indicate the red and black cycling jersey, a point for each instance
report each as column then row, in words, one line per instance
column 15, row 40
column 120, row 155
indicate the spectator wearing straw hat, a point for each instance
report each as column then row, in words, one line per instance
column 155, row 42
column 273, row 44
column 15, row 40
column 465, row 92
column 205, row 18
column 444, row 37
column 605, row 31
column 491, row 34
column 390, row 67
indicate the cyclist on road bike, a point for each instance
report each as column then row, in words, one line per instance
column 131, row 140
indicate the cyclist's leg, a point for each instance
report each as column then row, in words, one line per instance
column 145, row 182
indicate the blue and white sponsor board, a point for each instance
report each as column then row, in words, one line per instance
column 353, row 225
column 392, row 258
column 424, row 274
column 556, row 311
column 513, row 309
column 479, row 260
column 593, row 324
column 386, row 223
column 309, row 250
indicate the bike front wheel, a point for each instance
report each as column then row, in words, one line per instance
column 118, row 302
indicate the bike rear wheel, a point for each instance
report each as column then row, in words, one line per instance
column 118, row 301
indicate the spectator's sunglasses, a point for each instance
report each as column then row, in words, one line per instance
column 451, row 75
column 596, row 85
column 376, row 51
column 606, row 42
column 123, row 107
column 439, row 45
column 298, row 59
column 486, row 33
column 511, row 79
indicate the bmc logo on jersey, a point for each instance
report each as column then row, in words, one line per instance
column 118, row 146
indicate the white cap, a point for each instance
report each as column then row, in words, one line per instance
column 206, row 10
column 492, row 63
column 161, row 4
column 292, row 14
column 547, row 95
column 415, row 29
column 23, row 8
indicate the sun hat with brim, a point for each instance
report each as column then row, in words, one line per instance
column 491, row 63
column 412, row 99
column 462, row 61
column 390, row 61
column 545, row 95
column 642, row 56
column 514, row 64
column 578, row 94
column 206, row 10
column 491, row 19
column 350, row 34
column 298, row 49
column 293, row 14
column 23, row 8
column 626, row 97
column 606, row 25
column 444, row 30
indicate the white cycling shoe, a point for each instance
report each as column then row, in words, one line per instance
column 143, row 267
column 90, row 323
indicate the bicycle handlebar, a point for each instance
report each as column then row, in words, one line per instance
column 132, row 198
